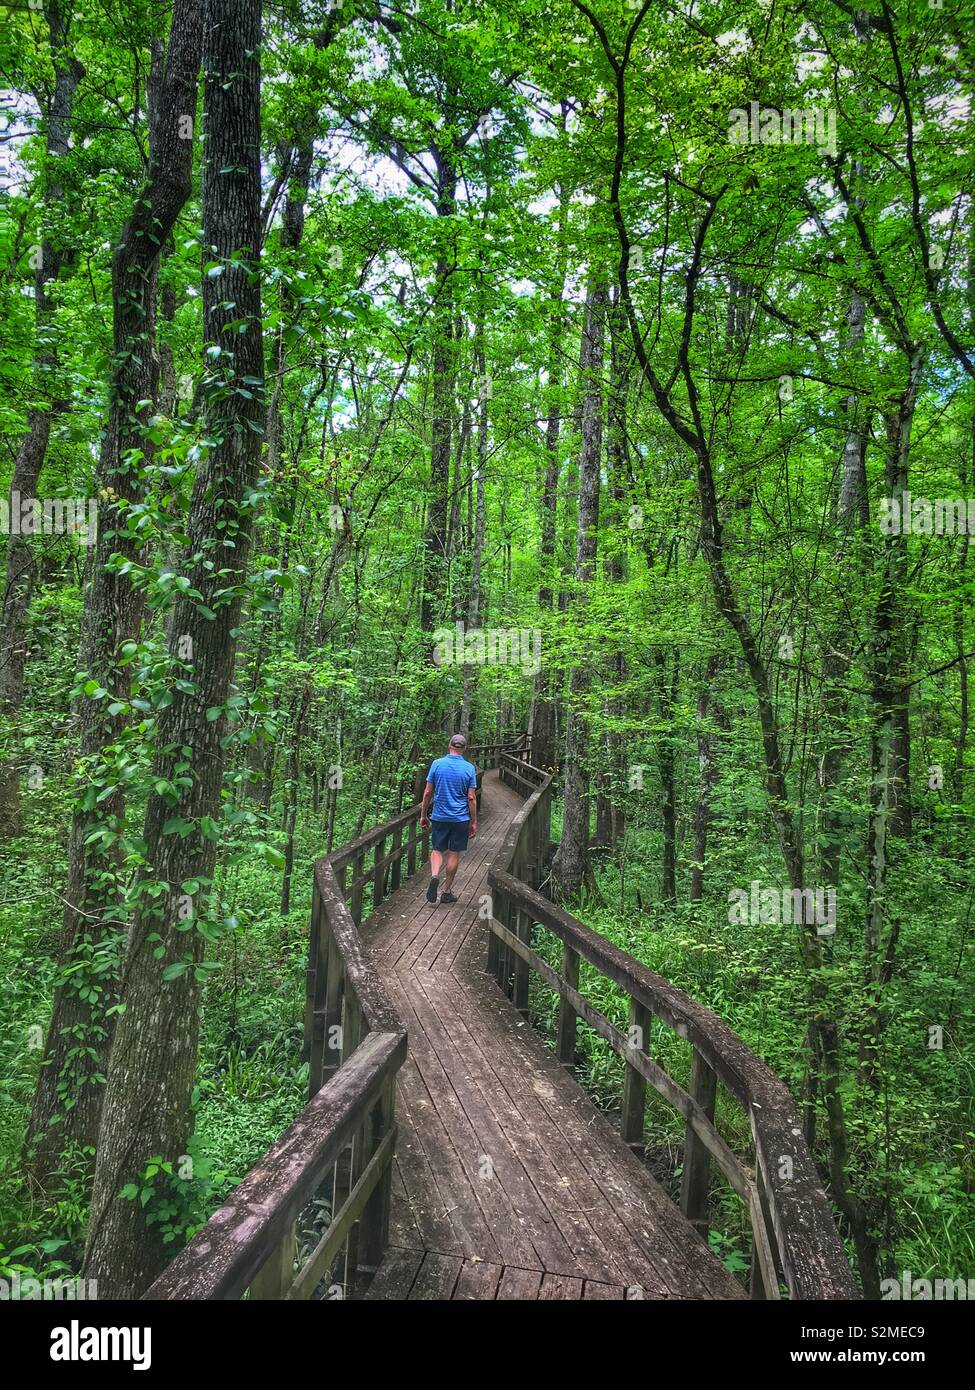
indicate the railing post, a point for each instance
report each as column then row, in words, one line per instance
column 493, row 944
column 314, row 980
column 538, row 844
column 397, row 852
column 316, row 1032
column 378, row 873
column 358, row 872
column 546, row 825
column 503, row 915
column 761, row 1217
column 332, row 1021
column 634, row 1085
column 566, row 1041
column 348, row 1166
column 412, row 830
column 374, row 1222
column 276, row 1274
column 697, row 1160
column 519, row 993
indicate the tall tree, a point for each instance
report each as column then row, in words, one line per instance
column 571, row 868
column 70, row 1088
column 148, row 1108
column 47, row 401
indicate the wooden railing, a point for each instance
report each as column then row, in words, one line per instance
column 794, row 1238
column 338, row 1154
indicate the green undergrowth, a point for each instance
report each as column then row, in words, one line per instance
column 912, row 1154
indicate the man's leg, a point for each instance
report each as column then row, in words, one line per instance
column 436, row 862
column 453, row 859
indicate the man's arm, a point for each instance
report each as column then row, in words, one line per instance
column 425, row 805
column 472, row 808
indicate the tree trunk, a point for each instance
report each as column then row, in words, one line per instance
column 474, row 610
column 147, row 1109
column 707, row 710
column 29, row 460
column 610, row 821
column 93, row 925
column 435, row 542
column 571, row 866
column 544, row 717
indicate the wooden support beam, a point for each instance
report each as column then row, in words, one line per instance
column 276, row 1274
column 697, row 1159
column 634, row 1086
column 374, row 1225
column 566, row 1040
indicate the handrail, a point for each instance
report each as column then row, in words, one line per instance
column 341, row 1146
column 231, row 1253
column 793, row 1230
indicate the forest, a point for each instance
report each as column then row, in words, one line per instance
column 589, row 377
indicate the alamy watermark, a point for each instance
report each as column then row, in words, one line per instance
column 50, row 516
column 907, row 515
column 927, row 1290
column 77, row 1343
column 783, row 907
column 491, row 646
column 65, row 1288
column 770, row 125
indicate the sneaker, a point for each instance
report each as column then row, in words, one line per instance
column 432, row 890
column 447, row 898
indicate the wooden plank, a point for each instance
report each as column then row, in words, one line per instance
column 765, row 1279
column 403, row 1230
column 429, row 1209
column 547, row 1199
column 559, row 1288
column 396, row 856
column 356, row 963
column 355, row 849
column 379, row 874
column 454, row 1147
column 395, row 1276
column 436, row 1279
column 332, row 1012
column 358, row 880
column 520, row 1285
column 478, row 1281
column 510, row 1194
column 611, row 1292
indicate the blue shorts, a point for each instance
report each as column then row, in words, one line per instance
column 449, row 836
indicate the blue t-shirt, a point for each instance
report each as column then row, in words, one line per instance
column 452, row 777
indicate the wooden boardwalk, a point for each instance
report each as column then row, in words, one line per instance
column 508, row 1182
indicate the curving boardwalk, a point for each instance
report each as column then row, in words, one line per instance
column 446, row 1153
column 508, row 1183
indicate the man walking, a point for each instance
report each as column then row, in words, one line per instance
column 452, row 789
